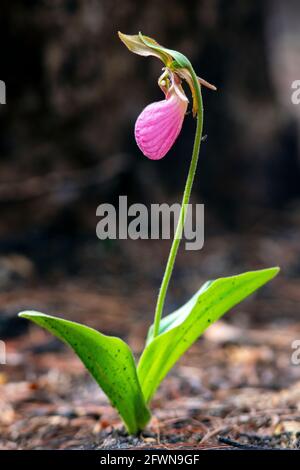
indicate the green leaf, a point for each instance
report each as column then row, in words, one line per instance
column 169, row 320
column 110, row 362
column 181, row 329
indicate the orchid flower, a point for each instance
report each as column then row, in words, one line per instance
column 160, row 123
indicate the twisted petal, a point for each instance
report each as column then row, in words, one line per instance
column 159, row 124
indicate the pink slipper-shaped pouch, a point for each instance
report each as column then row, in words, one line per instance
column 159, row 124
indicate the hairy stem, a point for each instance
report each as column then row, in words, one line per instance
column 182, row 216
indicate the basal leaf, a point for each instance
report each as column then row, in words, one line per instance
column 110, row 362
column 181, row 329
column 169, row 320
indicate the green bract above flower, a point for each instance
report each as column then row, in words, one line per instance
column 145, row 46
column 175, row 61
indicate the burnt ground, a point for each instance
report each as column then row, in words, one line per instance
column 235, row 387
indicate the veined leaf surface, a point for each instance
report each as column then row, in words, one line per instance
column 110, row 362
column 178, row 331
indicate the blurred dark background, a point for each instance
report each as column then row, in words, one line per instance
column 67, row 145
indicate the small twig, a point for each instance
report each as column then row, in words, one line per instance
column 239, row 445
column 213, row 432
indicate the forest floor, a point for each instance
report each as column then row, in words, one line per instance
column 235, row 388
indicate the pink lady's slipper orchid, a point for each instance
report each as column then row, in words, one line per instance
column 130, row 387
column 159, row 124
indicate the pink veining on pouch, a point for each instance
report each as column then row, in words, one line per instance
column 159, row 124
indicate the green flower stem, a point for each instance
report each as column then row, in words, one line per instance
column 182, row 216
